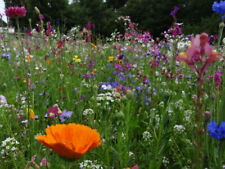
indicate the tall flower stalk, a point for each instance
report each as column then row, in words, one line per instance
column 198, row 57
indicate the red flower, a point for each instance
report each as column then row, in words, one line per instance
column 11, row 12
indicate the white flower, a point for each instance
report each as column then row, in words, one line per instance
column 88, row 112
column 179, row 128
column 146, row 136
column 13, row 148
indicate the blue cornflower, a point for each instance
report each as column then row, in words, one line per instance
column 65, row 115
column 219, row 7
column 215, row 131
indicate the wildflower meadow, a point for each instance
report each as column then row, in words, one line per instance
column 75, row 100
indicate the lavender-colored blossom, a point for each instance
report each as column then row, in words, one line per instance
column 65, row 115
column 174, row 11
column 122, row 76
column 3, row 101
column 6, row 55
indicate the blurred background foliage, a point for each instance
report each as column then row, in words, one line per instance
column 151, row 15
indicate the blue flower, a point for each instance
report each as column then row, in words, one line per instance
column 219, row 7
column 215, row 131
column 174, row 11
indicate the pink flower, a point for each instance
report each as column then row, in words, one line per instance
column 200, row 47
column 12, row 12
column 135, row 167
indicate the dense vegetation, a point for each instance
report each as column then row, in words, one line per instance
column 151, row 15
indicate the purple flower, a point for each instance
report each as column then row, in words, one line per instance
column 91, row 64
column 6, row 55
column 44, row 162
column 174, row 11
column 87, row 76
column 41, row 17
column 65, row 115
column 122, row 76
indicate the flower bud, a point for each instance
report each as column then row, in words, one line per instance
column 207, row 115
column 37, row 10
column 221, row 25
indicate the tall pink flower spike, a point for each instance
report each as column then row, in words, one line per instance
column 200, row 47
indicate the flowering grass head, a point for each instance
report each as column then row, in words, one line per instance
column 16, row 11
column 71, row 141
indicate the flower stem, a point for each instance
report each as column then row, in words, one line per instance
column 221, row 26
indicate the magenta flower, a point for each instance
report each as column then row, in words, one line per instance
column 12, row 12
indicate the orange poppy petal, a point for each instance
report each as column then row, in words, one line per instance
column 72, row 140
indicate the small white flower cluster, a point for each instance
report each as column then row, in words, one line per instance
column 114, row 36
column 88, row 112
column 88, row 164
column 179, row 104
column 146, row 136
column 106, row 97
column 106, row 87
column 179, row 128
column 165, row 161
column 9, row 145
column 183, row 44
column 187, row 115
column 74, row 31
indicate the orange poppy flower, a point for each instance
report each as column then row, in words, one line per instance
column 72, row 140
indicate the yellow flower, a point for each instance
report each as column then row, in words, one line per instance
column 31, row 113
column 189, row 44
column 110, row 58
column 183, row 55
column 119, row 61
column 77, row 59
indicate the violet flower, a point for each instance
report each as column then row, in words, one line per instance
column 65, row 115
column 174, row 11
